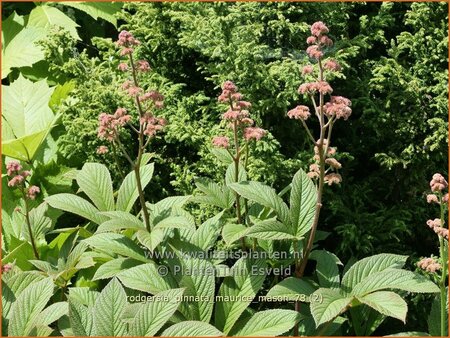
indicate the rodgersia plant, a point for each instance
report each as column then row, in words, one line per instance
column 18, row 179
column 146, row 102
column 437, row 267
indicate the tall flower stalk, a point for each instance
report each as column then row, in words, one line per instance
column 242, row 133
column 438, row 184
column 19, row 180
column 318, row 90
column 145, row 104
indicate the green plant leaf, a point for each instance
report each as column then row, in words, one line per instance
column 112, row 243
column 104, row 10
column 395, row 279
column 232, row 232
column 264, row 195
column 10, row 28
column 387, row 303
column 52, row 313
column 269, row 323
column 95, row 181
column 81, row 319
column 146, row 278
column 108, row 310
column 61, row 92
column 76, row 205
column 26, row 117
column 151, row 317
column 192, row 329
column 237, row 292
column 302, row 203
column 128, row 191
column 151, row 239
column 327, row 268
column 46, row 16
column 215, row 194
column 270, row 230
column 370, row 265
column 199, row 282
column 113, row 267
column 22, row 51
column 230, row 175
column 292, row 289
column 175, row 222
column 327, row 305
column 28, row 306
column 434, row 318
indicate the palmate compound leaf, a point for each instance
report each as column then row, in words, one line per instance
column 26, row 117
column 369, row 265
column 386, row 302
column 128, row 191
column 269, row 323
column 28, row 306
column 95, row 181
column 152, row 315
column 237, row 291
column 395, row 279
column 108, row 310
column 302, row 203
column 327, row 304
column 192, row 329
column 46, row 17
column 264, row 195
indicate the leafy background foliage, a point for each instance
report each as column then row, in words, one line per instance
column 395, row 73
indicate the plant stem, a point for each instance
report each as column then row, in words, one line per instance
column 236, row 160
column 27, row 218
column 443, row 292
column 137, row 165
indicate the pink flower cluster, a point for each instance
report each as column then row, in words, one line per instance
column 322, row 87
column 314, row 169
column 437, row 227
column 127, row 41
column 14, row 170
column 438, row 183
column 32, row 191
column 154, row 96
column 6, row 268
column 318, row 40
column 238, row 116
column 299, row 113
column 339, row 107
column 102, row 150
column 142, row 66
column 429, row 264
column 109, row 124
column 332, row 65
column 152, row 124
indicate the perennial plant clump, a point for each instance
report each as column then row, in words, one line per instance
column 86, row 253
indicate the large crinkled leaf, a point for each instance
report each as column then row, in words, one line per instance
column 271, row 230
column 293, row 289
column 76, row 205
column 52, row 313
column 230, row 175
column 104, row 10
column 395, row 279
column 237, row 291
column 22, row 51
column 327, row 270
column 112, row 243
column 108, row 310
column 269, row 323
column 46, row 17
column 387, row 303
column 434, row 317
column 95, row 181
column 151, row 317
column 198, row 279
column 114, row 267
column 81, row 319
column 302, row 203
column 151, row 239
column 206, row 234
column 28, row 306
column 83, row 295
column 370, row 265
column 233, row 232
column 264, row 195
column 327, row 304
column 128, row 191
column 26, row 117
column 175, row 222
column 192, row 329
column 147, row 278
